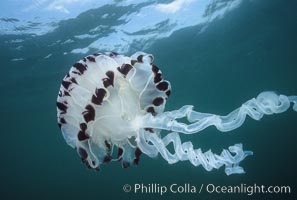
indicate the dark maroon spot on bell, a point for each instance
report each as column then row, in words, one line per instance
column 168, row 92
column 157, row 78
column 136, row 161
column 74, row 72
column 82, row 136
column 67, row 75
column 80, row 67
column 91, row 58
column 125, row 164
column 155, row 69
column 137, row 152
column 88, row 165
column 84, row 59
column 108, row 81
column 151, row 110
column 96, row 54
column 89, row 114
column 162, row 86
column 83, row 153
column 137, row 156
column 99, row 95
column 110, row 75
column 149, row 130
column 60, row 93
column 133, row 62
column 62, row 107
column 124, row 69
column 66, row 84
column 107, row 159
column 62, row 121
column 158, row 101
column 83, row 127
column 120, row 153
column 113, row 54
column 66, row 93
column 108, row 147
column 73, row 80
column 139, row 58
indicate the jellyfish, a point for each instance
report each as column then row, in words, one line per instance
column 110, row 107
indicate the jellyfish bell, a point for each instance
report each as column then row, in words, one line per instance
column 100, row 99
column 110, row 107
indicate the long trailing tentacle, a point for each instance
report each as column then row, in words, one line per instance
column 266, row 103
column 185, row 151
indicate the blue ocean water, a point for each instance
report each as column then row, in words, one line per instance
column 217, row 54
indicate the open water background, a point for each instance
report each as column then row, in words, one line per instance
column 215, row 66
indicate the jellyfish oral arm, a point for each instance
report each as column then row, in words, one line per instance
column 185, row 151
column 293, row 99
column 266, row 103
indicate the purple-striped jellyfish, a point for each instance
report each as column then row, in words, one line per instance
column 111, row 108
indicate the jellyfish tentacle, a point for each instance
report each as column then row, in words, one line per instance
column 185, row 151
column 266, row 103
